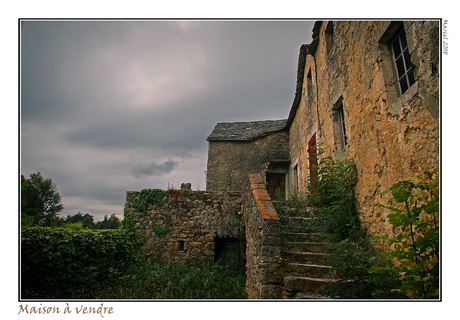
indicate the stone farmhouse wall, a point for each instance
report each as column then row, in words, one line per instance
column 391, row 136
column 263, row 227
column 231, row 162
column 197, row 222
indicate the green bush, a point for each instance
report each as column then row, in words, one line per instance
column 331, row 191
column 414, row 258
column 150, row 279
column 66, row 263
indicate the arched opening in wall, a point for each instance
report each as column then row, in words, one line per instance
column 226, row 251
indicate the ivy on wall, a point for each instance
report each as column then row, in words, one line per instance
column 148, row 197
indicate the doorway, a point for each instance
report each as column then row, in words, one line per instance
column 276, row 185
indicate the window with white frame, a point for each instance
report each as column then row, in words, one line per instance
column 404, row 68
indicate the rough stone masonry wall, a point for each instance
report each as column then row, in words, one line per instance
column 194, row 220
column 263, row 227
column 231, row 162
column 391, row 137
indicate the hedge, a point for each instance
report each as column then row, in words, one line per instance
column 63, row 263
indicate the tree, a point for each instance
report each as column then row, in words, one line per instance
column 108, row 223
column 40, row 200
column 86, row 219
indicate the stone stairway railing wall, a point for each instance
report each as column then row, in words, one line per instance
column 263, row 243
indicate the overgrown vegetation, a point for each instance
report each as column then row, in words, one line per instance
column 413, row 262
column 146, row 197
column 88, row 264
column 145, row 278
column 331, row 191
column 76, row 262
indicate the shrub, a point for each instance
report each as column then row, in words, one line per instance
column 332, row 192
column 70, row 263
column 414, row 258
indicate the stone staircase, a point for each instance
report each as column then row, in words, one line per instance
column 303, row 256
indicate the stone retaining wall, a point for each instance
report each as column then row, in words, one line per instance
column 187, row 225
column 263, row 228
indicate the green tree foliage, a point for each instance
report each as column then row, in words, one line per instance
column 86, row 220
column 39, row 200
column 108, row 223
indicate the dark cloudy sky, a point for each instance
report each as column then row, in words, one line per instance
column 111, row 106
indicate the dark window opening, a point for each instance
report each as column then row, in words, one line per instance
column 309, row 84
column 339, row 126
column 403, row 65
column 227, row 251
column 181, row 245
column 342, row 127
column 295, row 178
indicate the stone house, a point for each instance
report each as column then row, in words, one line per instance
column 366, row 90
column 239, row 149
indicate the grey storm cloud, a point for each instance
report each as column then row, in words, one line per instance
column 110, row 106
column 153, row 169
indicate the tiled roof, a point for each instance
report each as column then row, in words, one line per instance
column 244, row 131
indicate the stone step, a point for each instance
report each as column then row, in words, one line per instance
column 304, row 257
column 307, row 285
column 296, row 219
column 303, row 295
column 309, row 270
column 317, row 247
column 303, row 237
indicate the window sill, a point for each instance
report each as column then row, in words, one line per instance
column 397, row 108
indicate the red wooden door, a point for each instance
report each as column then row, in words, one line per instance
column 313, row 160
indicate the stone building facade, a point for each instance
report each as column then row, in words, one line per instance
column 369, row 91
column 366, row 90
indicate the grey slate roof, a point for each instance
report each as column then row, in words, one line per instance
column 245, row 131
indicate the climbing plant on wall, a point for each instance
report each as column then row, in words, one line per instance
column 148, row 197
